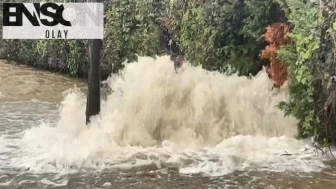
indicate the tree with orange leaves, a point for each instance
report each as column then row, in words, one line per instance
column 276, row 35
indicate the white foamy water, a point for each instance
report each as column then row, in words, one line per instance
column 199, row 121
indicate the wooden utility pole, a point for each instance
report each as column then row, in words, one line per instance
column 93, row 97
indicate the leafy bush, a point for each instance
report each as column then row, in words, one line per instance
column 133, row 28
column 218, row 34
column 302, row 57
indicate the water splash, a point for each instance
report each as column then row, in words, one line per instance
column 200, row 121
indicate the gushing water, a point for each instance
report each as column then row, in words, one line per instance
column 195, row 120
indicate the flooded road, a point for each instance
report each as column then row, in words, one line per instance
column 21, row 83
column 158, row 129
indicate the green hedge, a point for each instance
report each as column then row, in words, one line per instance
column 218, row 34
column 215, row 34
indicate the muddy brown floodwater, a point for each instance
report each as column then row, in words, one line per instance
column 29, row 97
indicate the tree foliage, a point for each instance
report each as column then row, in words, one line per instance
column 215, row 34
column 326, row 70
column 134, row 27
column 218, row 34
column 302, row 58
